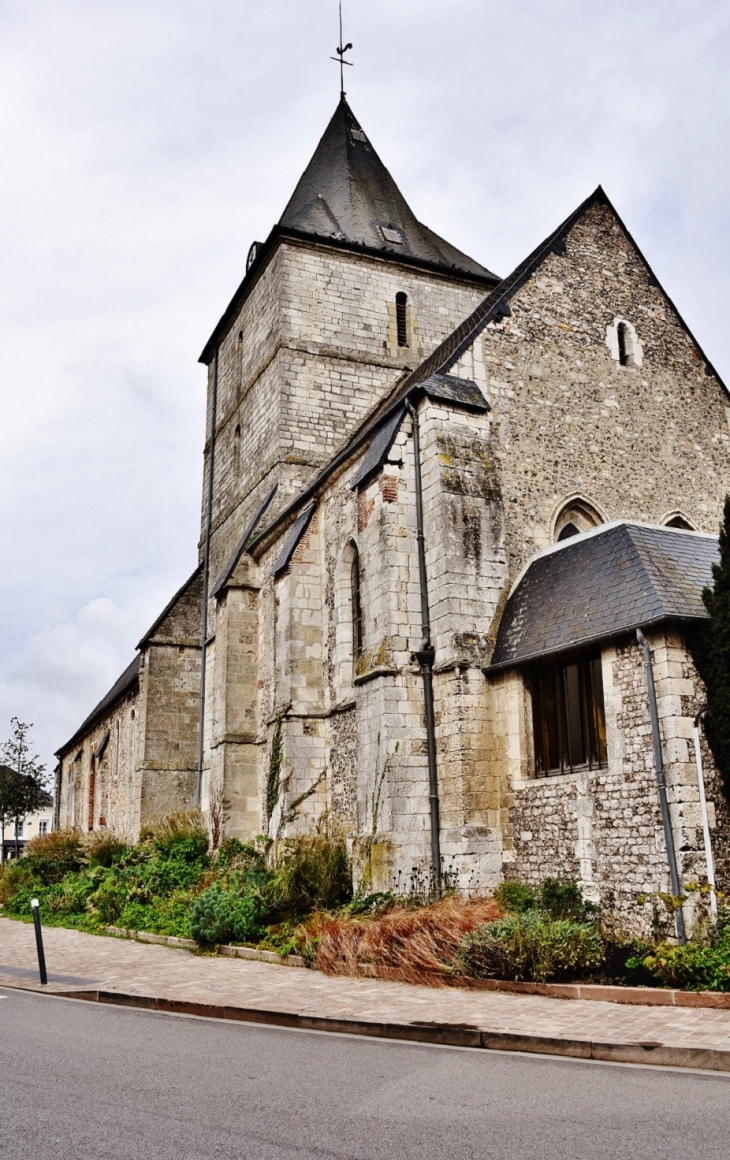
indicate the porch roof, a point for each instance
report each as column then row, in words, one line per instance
column 601, row 584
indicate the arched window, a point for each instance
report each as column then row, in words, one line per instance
column 679, row 522
column 356, row 605
column 576, row 516
column 401, row 318
column 623, row 343
column 622, row 333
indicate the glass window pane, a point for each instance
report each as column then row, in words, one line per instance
column 599, row 714
column 576, row 754
column 569, row 726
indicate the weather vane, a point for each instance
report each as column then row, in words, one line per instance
column 340, row 58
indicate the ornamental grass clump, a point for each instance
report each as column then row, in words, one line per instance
column 415, row 944
column 50, row 856
column 312, row 873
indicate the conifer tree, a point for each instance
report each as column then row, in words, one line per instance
column 711, row 650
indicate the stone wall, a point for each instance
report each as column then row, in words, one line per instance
column 309, row 355
column 113, row 796
column 604, row 827
column 571, row 421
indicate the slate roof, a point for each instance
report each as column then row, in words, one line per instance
column 451, row 389
column 119, row 689
column 230, row 567
column 347, row 198
column 604, row 583
column 347, row 193
column 447, row 388
column 296, row 532
column 377, row 452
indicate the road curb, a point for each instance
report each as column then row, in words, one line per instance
column 446, row 1034
column 595, row 992
column 189, row 944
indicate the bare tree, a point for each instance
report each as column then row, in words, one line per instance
column 23, row 781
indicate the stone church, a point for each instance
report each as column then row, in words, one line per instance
column 437, row 507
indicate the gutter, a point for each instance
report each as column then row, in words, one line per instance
column 709, row 860
column 586, row 641
column 425, row 657
column 206, row 581
column 662, row 785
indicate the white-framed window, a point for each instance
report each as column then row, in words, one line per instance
column 623, row 343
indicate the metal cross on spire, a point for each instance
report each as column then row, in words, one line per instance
column 340, row 58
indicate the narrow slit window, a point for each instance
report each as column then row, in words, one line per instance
column 401, row 318
column 622, row 333
column 568, row 717
column 356, row 606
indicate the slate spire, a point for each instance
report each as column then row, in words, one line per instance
column 346, row 193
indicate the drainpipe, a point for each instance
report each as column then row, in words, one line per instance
column 206, row 576
column 709, row 860
column 661, row 784
column 425, row 657
column 57, row 795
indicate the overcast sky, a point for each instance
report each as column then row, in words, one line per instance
column 146, row 144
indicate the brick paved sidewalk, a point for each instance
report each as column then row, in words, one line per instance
column 265, row 992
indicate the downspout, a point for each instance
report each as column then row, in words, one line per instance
column 709, row 860
column 661, row 784
column 425, row 657
column 206, row 577
column 57, row 795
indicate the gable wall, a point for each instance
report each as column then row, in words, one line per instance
column 571, row 420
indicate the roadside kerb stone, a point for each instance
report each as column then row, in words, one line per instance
column 190, row 944
column 163, row 978
column 653, row 997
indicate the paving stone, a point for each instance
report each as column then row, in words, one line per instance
column 175, row 975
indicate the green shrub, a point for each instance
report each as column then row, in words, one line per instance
column 103, row 848
column 312, row 872
column 223, row 916
column 16, row 875
column 185, row 829
column 51, row 856
column 72, row 895
column 515, row 897
column 702, row 964
column 531, row 947
column 108, row 900
column 562, row 898
column 692, row 967
column 233, row 852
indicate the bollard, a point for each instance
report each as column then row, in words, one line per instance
column 39, row 940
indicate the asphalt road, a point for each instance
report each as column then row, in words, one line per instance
column 81, row 1082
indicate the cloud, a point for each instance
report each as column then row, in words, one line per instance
column 64, row 669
